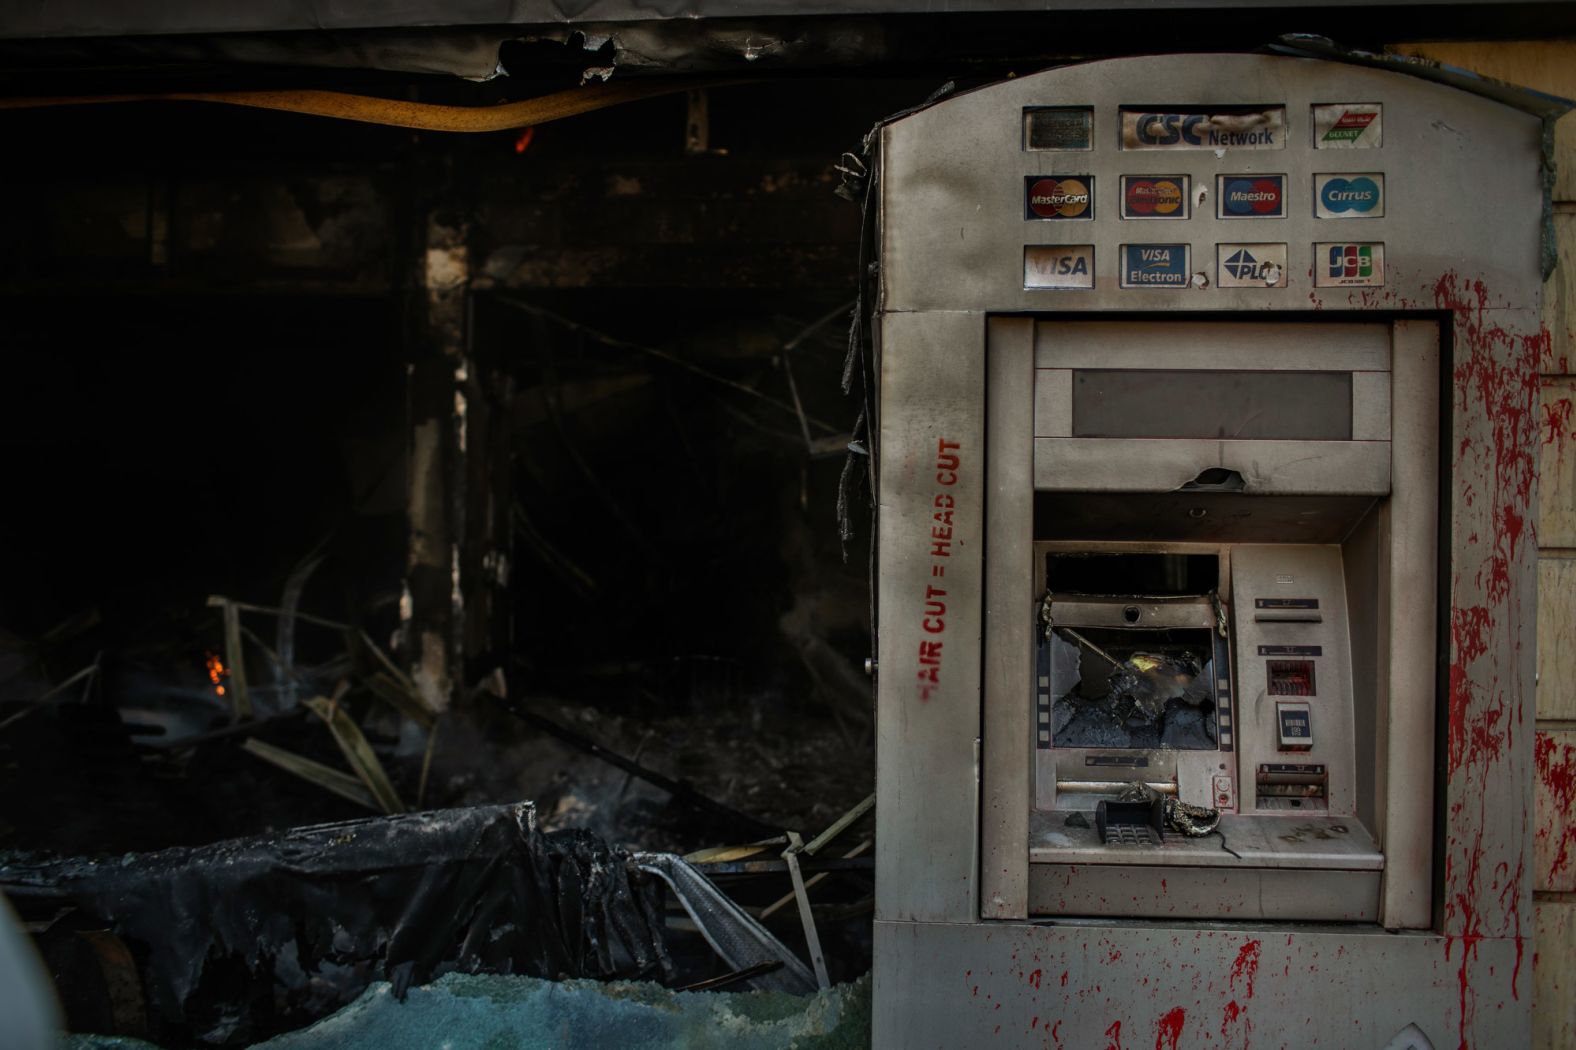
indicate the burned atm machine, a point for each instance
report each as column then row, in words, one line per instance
column 1206, row 438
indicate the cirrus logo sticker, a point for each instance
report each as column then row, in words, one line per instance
column 1349, row 196
column 1059, row 197
column 1251, row 196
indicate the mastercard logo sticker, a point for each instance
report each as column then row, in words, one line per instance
column 1155, row 197
column 1059, row 197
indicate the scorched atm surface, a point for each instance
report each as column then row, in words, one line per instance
column 1185, row 385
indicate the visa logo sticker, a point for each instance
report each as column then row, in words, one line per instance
column 1058, row 266
column 1250, row 265
column 1348, row 125
column 1349, row 196
column 1155, row 266
column 1342, row 265
column 1250, row 196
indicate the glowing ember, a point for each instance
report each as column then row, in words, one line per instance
column 524, row 141
column 217, row 673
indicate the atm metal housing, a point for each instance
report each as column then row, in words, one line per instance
column 1389, row 900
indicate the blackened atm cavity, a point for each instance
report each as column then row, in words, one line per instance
column 1132, row 689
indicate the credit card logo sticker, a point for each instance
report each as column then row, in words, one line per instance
column 1349, row 196
column 1251, row 196
column 1059, row 197
column 1341, row 265
column 1251, row 265
column 1154, row 196
column 1155, row 266
column 1235, row 128
column 1348, row 126
column 1058, row 266
column 1058, row 128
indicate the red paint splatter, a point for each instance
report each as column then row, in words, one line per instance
column 1556, row 816
column 1034, row 978
column 1497, row 388
column 1056, row 1034
column 1064, row 978
column 1169, row 1028
column 1246, row 967
column 1114, row 1033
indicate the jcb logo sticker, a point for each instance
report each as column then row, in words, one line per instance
column 1234, row 128
column 1343, row 265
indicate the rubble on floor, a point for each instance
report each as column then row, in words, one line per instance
column 480, row 1012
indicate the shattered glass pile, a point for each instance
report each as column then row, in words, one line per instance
column 1132, row 689
column 472, row 1012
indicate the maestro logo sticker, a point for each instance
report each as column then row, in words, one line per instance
column 1349, row 196
column 1154, row 196
column 1252, row 196
column 1059, row 197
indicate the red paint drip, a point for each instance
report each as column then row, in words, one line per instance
column 1246, row 967
column 1497, row 387
column 1034, row 978
column 1064, row 978
column 1169, row 1030
column 1556, row 772
column 1114, row 1033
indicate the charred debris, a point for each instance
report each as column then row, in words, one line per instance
column 424, row 556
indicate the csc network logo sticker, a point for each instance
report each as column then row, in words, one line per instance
column 1349, row 196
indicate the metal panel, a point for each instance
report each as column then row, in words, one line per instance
column 928, row 691
column 1053, row 402
column 1559, row 301
column 1294, row 840
column 1371, row 406
column 1557, row 464
column 1557, row 637
column 1408, row 620
column 1299, row 346
column 1009, row 598
column 1554, row 814
column 1106, row 984
column 1166, row 464
column 958, row 168
column 1554, row 976
column 1203, row 893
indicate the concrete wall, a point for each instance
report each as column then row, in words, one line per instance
column 1550, row 66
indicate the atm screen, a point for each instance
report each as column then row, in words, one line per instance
column 1124, row 688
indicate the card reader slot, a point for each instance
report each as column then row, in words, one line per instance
column 1287, row 616
column 1108, row 787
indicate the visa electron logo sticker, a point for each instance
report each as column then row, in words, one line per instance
column 1348, row 126
column 1251, row 196
column 1349, row 196
column 1155, row 266
column 1059, row 197
column 1155, row 197
column 1058, row 266
column 1233, row 128
column 1251, row 265
column 1348, row 265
